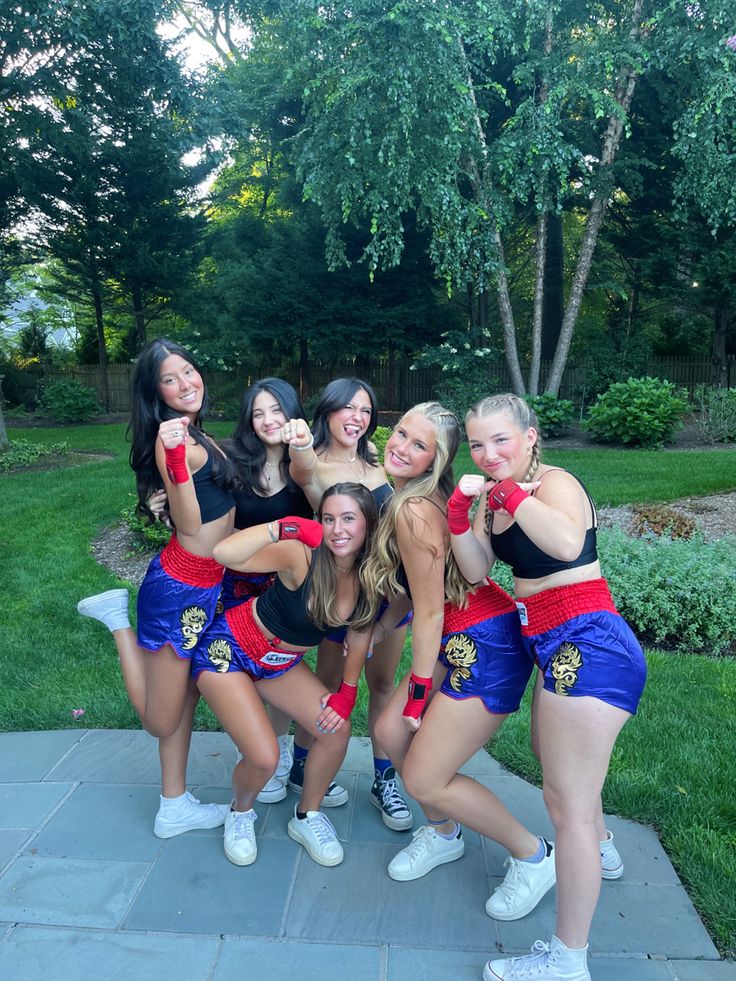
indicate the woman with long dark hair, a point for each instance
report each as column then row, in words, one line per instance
column 254, row 651
column 178, row 597
column 339, row 448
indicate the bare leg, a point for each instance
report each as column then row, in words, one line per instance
column 451, row 731
column 329, row 671
column 577, row 737
column 173, row 750
column 380, row 676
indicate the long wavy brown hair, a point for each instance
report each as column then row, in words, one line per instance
column 385, row 559
column 323, row 574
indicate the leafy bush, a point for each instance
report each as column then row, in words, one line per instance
column 21, row 386
column 67, row 400
column 467, row 371
column 554, row 414
column 642, row 411
column 716, row 409
column 674, row 592
column 658, row 519
column 380, row 438
column 146, row 537
column 24, row 454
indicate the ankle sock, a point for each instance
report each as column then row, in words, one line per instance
column 301, row 815
column 380, row 766
column 544, row 849
column 449, row 836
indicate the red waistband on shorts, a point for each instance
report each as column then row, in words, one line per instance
column 249, row 635
column 194, row 570
column 488, row 601
column 553, row 607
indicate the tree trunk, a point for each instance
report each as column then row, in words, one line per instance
column 553, row 306
column 140, row 323
column 538, row 303
column 4, row 441
column 102, row 352
column 721, row 323
column 611, row 140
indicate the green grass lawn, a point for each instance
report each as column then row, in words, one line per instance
column 673, row 766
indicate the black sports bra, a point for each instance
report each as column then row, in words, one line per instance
column 284, row 613
column 381, row 495
column 528, row 561
column 213, row 500
column 252, row 509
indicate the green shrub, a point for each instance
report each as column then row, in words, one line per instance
column 67, row 400
column 716, row 413
column 380, row 438
column 554, row 415
column 24, row 454
column 146, row 537
column 676, row 593
column 642, row 411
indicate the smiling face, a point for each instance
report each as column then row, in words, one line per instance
column 348, row 424
column 267, row 418
column 411, row 448
column 343, row 526
column 499, row 448
column 180, row 386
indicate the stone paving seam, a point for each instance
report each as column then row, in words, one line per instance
column 34, row 832
column 83, row 735
column 290, row 893
column 135, row 897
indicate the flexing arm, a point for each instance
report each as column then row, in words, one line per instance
column 273, row 547
column 471, row 548
column 555, row 518
column 172, row 460
column 303, row 461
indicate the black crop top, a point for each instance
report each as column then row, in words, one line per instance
column 528, row 561
column 213, row 500
column 381, row 495
column 252, row 509
column 284, row 613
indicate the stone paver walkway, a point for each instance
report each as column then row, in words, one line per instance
column 87, row 891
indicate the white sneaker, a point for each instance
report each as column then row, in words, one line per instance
column 612, row 866
column 425, row 852
column 272, row 793
column 318, row 836
column 547, row 962
column 110, row 608
column 240, row 837
column 286, row 759
column 522, row 888
column 187, row 815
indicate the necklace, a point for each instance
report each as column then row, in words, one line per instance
column 271, row 466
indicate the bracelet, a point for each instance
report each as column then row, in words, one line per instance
column 274, row 537
column 301, row 449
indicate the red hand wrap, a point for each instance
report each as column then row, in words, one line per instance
column 302, row 529
column 458, row 511
column 507, row 495
column 176, row 464
column 419, row 689
column 343, row 700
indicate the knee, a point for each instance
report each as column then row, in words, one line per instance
column 417, row 785
column 381, row 685
column 385, row 732
column 263, row 758
column 567, row 810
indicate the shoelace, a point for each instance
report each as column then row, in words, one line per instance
column 510, row 883
column 284, row 756
column 529, row 965
column 244, row 825
column 392, row 799
column 420, row 842
column 322, row 828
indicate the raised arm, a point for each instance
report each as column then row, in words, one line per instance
column 172, row 459
column 554, row 518
column 276, row 546
column 303, row 461
column 471, row 548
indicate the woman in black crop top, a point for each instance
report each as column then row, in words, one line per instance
column 178, row 596
column 462, row 645
column 340, row 449
column 254, row 651
column 591, row 671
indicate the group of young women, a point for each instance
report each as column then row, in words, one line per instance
column 250, row 581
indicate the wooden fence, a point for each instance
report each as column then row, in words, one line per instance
column 397, row 386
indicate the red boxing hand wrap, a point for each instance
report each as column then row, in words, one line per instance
column 458, row 511
column 507, row 495
column 302, row 529
column 419, row 689
column 176, row 464
column 343, row 700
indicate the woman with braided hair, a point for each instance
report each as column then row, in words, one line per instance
column 448, row 707
column 591, row 669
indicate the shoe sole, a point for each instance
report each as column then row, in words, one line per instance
column 85, row 606
column 182, row 831
column 488, row 974
column 295, row 836
column 610, row 874
column 336, row 800
column 519, row 913
column 236, row 860
column 272, row 797
column 396, row 824
column 410, row 876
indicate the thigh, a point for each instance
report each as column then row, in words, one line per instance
column 576, row 737
column 452, row 730
column 329, row 663
column 298, row 693
column 238, row 706
column 167, row 683
column 380, row 668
